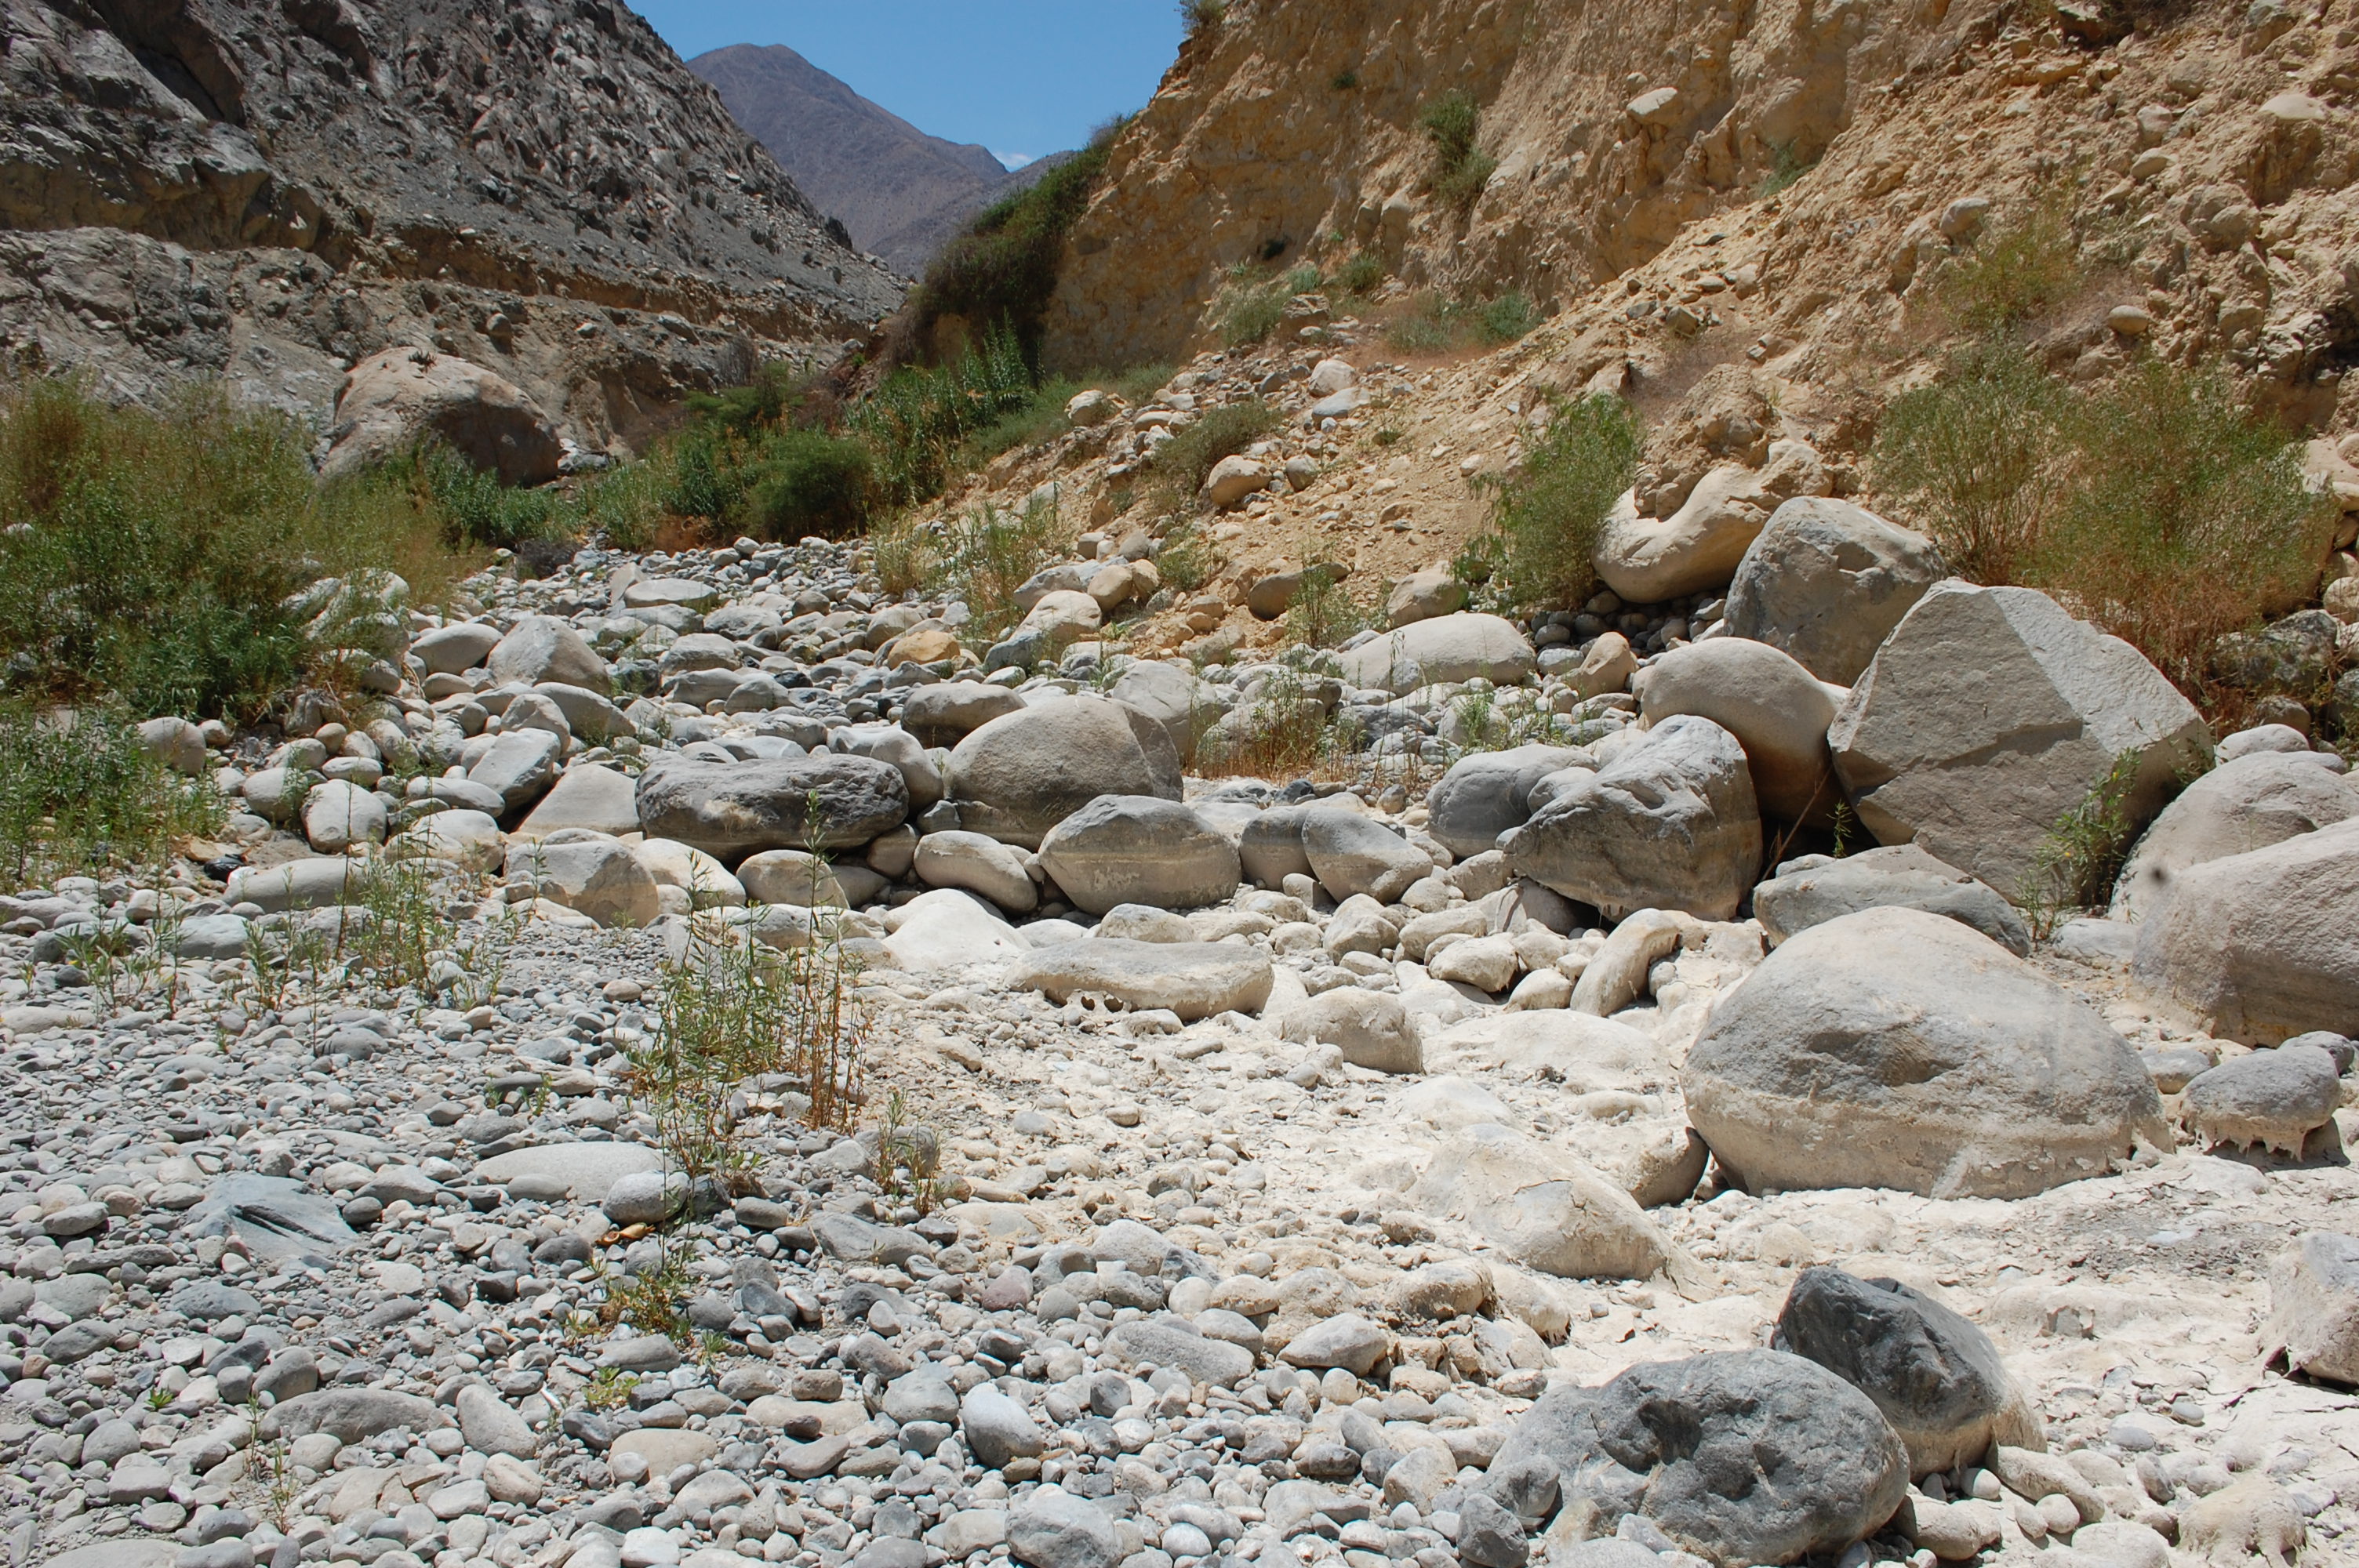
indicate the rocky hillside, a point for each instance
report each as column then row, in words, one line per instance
column 268, row 193
column 899, row 191
column 1772, row 185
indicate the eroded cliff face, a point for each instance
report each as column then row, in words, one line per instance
column 1772, row 183
column 267, row 190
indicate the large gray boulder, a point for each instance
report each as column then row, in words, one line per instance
column 1486, row 793
column 1269, row 848
column 1670, row 822
column 1371, row 1028
column 1022, row 773
column 447, row 650
column 1445, row 648
column 1989, row 713
column 1936, row 1377
column 395, row 399
column 520, row 766
column 1194, row 979
column 2274, row 1098
column 731, row 810
column 1896, row 1048
column 541, row 648
column 1051, row 1528
column 2262, row 945
column 1827, row 581
column 590, row 874
column 1139, row 849
column 1175, row 697
column 1350, row 854
column 1777, row 710
column 2245, row 804
column 2314, row 1306
column 1818, row 888
column 947, row 712
column 1744, row 1457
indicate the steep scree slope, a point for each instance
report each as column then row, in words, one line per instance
column 265, row 192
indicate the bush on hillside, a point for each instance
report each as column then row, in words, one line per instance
column 918, row 420
column 1185, row 461
column 1548, row 514
column 2156, row 506
column 1453, row 124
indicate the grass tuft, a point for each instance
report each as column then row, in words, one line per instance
column 1453, row 124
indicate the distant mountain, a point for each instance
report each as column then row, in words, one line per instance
column 901, row 193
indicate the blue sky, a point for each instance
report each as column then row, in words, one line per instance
column 1023, row 77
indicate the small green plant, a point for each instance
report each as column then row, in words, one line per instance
column 1972, row 458
column 1453, row 124
column 918, row 421
column 1846, row 829
column 609, row 1389
column 987, row 554
column 1360, row 276
column 2020, row 274
column 1549, row 514
column 477, row 510
column 80, row 794
column 1345, row 81
column 908, row 1158
column 651, row 1301
column 1182, row 464
column 1203, row 16
column 159, row 1398
column 1186, row 561
column 1787, row 166
column 1323, row 614
column 277, row 1481
column 1434, row 325
column 2075, row 867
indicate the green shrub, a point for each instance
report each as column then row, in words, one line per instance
column 79, row 795
column 1507, row 319
column 807, row 481
column 1362, row 275
column 1323, row 612
column 1550, row 514
column 918, row 419
column 1453, row 124
column 1038, row 421
column 987, row 554
column 1434, row 325
column 1184, row 462
column 475, row 511
column 2156, row 506
column 627, row 503
column 1201, row 16
column 1970, row 458
column 2019, row 274
column 149, row 553
column 1004, row 268
column 1788, row 165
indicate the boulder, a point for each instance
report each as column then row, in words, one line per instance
column 338, row 815
column 1234, row 478
column 1777, row 710
column 2315, row 1307
column 1606, row 665
column 519, row 767
column 1269, row 849
column 591, row 717
column 1020, row 774
column 794, row 877
column 541, row 648
column 946, row 712
column 1936, row 1377
column 392, row 400
column 1166, row 1340
column 1051, row 1528
column 1175, row 697
column 298, row 884
column 1350, row 854
column 1743, row 1457
column 1989, row 713
column 1670, row 822
column 2275, row 1098
column 1422, row 596
column 1372, row 1029
column 948, row 930
column 449, row 650
column 730, row 810
column 592, row 874
column 352, row 1415
column 1484, row 793
column 2264, row 945
column 1696, row 549
column 1896, row 1048
column 1443, row 648
column 982, row 865
column 1194, row 979
column 177, row 743
column 997, row 1429
column 1544, row 1208
column 468, row 839
column 588, row 796
column 1134, row 849
column 2247, row 802
column 1064, row 618
column 891, row 743
column 1818, row 888
column 1826, row 582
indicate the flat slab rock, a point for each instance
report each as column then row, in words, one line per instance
column 1194, row 979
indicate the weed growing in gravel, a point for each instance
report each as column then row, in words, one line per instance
column 1323, row 612
column 650, row 1302
column 1787, row 167
column 1251, row 306
column 609, row 1389
column 1186, row 561
column 79, row 794
column 986, row 555
column 1433, row 324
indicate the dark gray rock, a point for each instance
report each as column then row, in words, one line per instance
column 1937, row 1378
column 277, row 1218
column 1751, row 1456
column 1826, row 581
column 1818, row 888
column 1489, row 1533
column 1270, row 848
column 731, row 810
column 353, row 1414
column 209, row 1301
column 1485, row 794
column 1130, row 848
column 1054, row 1528
column 1350, row 854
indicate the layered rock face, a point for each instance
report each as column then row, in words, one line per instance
column 267, row 194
